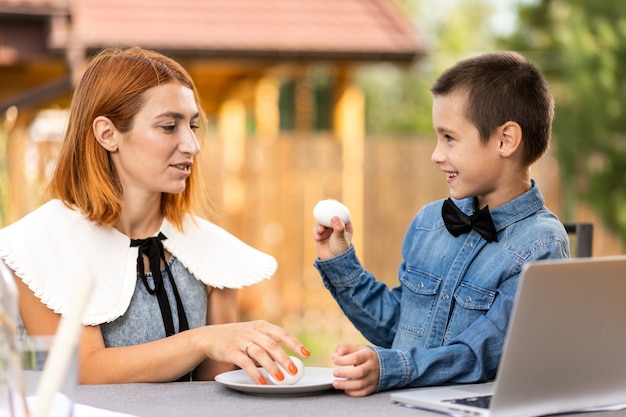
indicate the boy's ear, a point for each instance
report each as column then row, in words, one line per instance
column 510, row 135
column 105, row 133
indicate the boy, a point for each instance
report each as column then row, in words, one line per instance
column 446, row 322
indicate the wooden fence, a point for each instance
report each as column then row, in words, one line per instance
column 285, row 178
column 268, row 203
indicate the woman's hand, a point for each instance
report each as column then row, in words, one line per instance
column 332, row 241
column 252, row 344
column 246, row 345
column 359, row 369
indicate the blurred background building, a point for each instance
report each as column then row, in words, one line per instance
column 287, row 127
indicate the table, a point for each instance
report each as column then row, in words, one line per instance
column 204, row 399
column 195, row 399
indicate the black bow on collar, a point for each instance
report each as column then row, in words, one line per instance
column 153, row 248
column 458, row 222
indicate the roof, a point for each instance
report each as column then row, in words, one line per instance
column 43, row 42
column 32, row 7
column 368, row 29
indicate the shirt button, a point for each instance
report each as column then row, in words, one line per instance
column 445, row 296
column 420, row 285
column 468, row 299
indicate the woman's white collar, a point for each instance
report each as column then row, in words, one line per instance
column 54, row 245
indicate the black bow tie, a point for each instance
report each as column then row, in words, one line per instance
column 458, row 222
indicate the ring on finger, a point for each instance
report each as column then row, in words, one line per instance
column 245, row 350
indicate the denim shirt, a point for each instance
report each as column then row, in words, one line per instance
column 447, row 319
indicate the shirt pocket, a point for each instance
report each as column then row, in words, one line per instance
column 471, row 302
column 419, row 296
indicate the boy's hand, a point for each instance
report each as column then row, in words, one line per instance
column 358, row 365
column 331, row 241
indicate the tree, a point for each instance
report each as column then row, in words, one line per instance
column 581, row 46
column 398, row 99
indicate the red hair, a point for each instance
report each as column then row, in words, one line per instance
column 113, row 86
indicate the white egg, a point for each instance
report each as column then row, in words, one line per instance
column 325, row 210
column 289, row 379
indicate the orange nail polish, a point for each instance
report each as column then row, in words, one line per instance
column 305, row 351
column 262, row 381
column 279, row 375
column 292, row 369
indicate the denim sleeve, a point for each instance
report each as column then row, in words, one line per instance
column 370, row 306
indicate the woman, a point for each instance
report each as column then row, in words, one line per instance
column 125, row 202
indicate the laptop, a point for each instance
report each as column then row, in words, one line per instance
column 565, row 349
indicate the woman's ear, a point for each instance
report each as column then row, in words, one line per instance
column 510, row 135
column 105, row 133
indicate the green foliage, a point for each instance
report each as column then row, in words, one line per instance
column 581, row 46
column 398, row 100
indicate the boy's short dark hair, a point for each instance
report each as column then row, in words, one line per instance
column 501, row 87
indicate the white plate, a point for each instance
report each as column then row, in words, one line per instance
column 314, row 380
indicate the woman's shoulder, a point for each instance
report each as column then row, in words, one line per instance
column 49, row 216
column 215, row 256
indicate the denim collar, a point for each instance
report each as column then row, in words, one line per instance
column 515, row 210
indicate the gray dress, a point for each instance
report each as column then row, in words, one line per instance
column 142, row 322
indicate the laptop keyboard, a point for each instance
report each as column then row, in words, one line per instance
column 480, row 401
